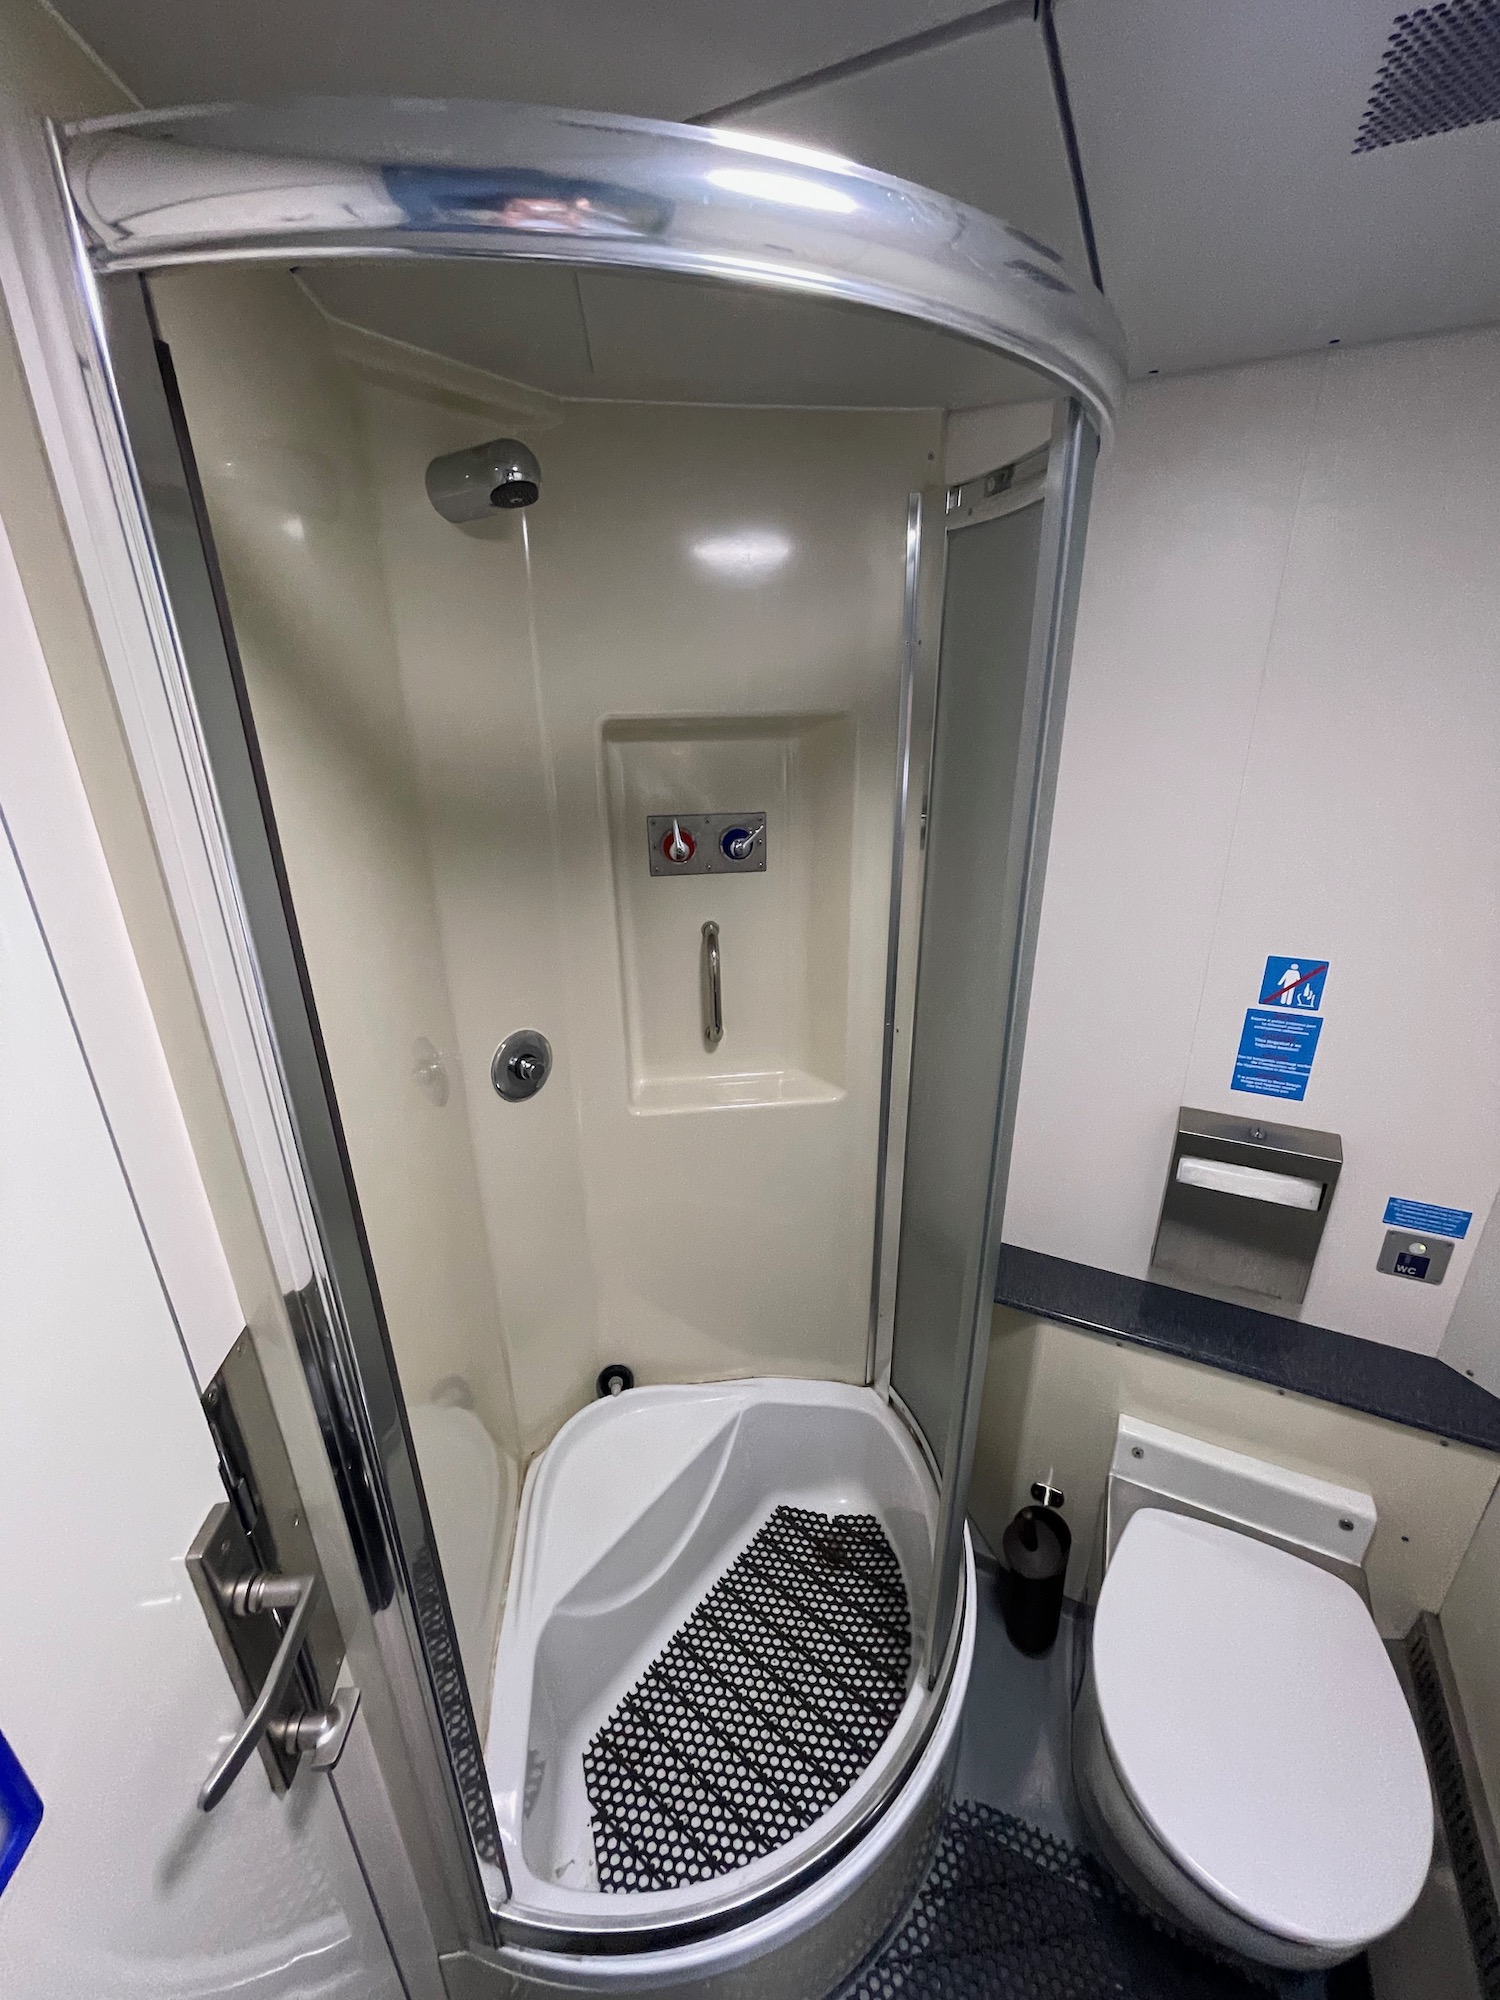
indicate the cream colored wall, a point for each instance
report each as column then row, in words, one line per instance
column 1053, row 1396
column 276, row 430
column 710, row 1238
column 729, row 1238
column 462, row 611
column 1282, row 719
column 48, row 71
column 1470, row 1619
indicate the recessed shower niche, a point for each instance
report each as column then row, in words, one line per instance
column 783, row 934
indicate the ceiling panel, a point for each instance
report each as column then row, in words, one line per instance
column 669, row 337
column 632, row 338
column 522, row 321
column 1234, row 219
column 665, row 59
column 975, row 119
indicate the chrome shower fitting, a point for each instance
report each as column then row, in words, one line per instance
column 484, row 479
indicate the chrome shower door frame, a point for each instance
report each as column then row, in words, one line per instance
column 88, row 213
column 1057, row 478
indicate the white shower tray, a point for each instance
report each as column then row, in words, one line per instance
column 628, row 1519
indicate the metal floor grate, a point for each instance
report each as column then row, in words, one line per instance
column 762, row 1710
column 1009, row 1913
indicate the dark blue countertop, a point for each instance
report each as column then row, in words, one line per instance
column 1363, row 1375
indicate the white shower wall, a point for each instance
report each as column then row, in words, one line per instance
column 706, row 592
column 276, row 431
column 702, row 1225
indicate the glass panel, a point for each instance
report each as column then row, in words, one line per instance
column 966, row 958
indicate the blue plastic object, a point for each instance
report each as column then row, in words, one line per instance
column 20, row 1813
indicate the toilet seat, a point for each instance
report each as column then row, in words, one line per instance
column 1259, row 1729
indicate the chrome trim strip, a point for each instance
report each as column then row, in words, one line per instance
column 886, row 1224
column 349, row 177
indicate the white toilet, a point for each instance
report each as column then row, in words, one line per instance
column 1243, row 1753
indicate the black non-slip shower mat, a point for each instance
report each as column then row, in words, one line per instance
column 1009, row 1913
column 761, row 1711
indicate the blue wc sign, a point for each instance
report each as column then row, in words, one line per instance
column 1294, row 983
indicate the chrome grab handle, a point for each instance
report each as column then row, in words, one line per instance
column 713, row 992
column 265, row 1592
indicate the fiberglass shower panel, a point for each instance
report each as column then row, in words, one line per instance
column 292, row 184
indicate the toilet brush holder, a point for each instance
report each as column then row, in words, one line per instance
column 1034, row 1554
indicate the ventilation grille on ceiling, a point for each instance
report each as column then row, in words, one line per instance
column 1440, row 72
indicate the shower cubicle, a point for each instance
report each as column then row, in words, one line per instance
column 603, row 775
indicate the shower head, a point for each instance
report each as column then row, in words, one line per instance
column 484, row 479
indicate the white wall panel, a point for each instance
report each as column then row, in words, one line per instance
column 1181, row 574
column 276, row 430
column 705, row 1228
column 1282, row 738
column 462, row 614
column 112, row 1691
column 55, row 838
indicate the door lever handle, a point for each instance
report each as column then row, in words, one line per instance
column 248, row 1595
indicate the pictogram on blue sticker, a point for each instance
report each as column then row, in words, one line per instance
column 20, row 1812
column 1294, row 983
column 1428, row 1217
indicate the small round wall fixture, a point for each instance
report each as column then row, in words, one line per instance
column 522, row 1064
column 615, row 1379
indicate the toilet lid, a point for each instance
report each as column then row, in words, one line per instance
column 1257, row 1723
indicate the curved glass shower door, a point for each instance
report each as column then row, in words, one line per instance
column 549, row 848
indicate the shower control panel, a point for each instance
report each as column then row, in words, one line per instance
column 694, row 843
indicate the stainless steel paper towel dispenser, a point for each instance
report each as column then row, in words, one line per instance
column 1244, row 1207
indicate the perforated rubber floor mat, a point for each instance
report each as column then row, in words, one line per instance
column 762, row 1710
column 1007, row 1913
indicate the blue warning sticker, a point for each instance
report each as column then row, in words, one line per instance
column 20, row 1812
column 1295, row 983
column 1276, row 1052
column 1427, row 1217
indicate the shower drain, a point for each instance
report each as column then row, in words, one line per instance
column 761, row 1711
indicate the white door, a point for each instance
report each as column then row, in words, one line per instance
column 113, row 1699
